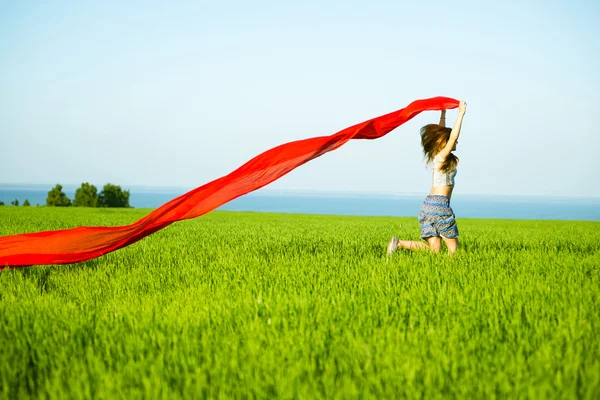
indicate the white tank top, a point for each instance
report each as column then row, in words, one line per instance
column 441, row 178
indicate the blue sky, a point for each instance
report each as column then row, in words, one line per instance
column 178, row 94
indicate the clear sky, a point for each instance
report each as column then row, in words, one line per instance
column 180, row 93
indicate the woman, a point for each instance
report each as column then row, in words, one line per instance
column 436, row 218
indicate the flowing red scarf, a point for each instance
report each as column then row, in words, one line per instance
column 84, row 243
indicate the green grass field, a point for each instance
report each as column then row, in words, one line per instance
column 251, row 305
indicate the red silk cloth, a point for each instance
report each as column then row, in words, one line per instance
column 85, row 243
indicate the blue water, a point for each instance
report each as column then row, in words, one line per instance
column 465, row 206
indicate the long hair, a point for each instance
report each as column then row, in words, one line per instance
column 434, row 138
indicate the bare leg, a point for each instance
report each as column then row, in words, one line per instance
column 412, row 245
column 434, row 244
column 451, row 244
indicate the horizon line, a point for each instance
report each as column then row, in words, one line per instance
column 284, row 192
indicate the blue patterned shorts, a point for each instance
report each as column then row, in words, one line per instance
column 437, row 218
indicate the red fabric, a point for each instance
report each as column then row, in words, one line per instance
column 84, row 243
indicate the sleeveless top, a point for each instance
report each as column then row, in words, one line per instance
column 442, row 178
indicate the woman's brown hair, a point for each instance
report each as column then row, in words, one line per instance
column 434, row 138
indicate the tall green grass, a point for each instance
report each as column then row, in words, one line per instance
column 257, row 305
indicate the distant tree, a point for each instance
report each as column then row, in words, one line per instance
column 26, row 203
column 15, row 202
column 57, row 198
column 113, row 196
column 1, row 203
column 86, row 196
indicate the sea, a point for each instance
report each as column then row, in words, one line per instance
column 357, row 204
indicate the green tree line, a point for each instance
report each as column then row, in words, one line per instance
column 85, row 196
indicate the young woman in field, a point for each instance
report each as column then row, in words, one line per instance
column 436, row 217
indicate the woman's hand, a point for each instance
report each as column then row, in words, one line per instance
column 462, row 107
